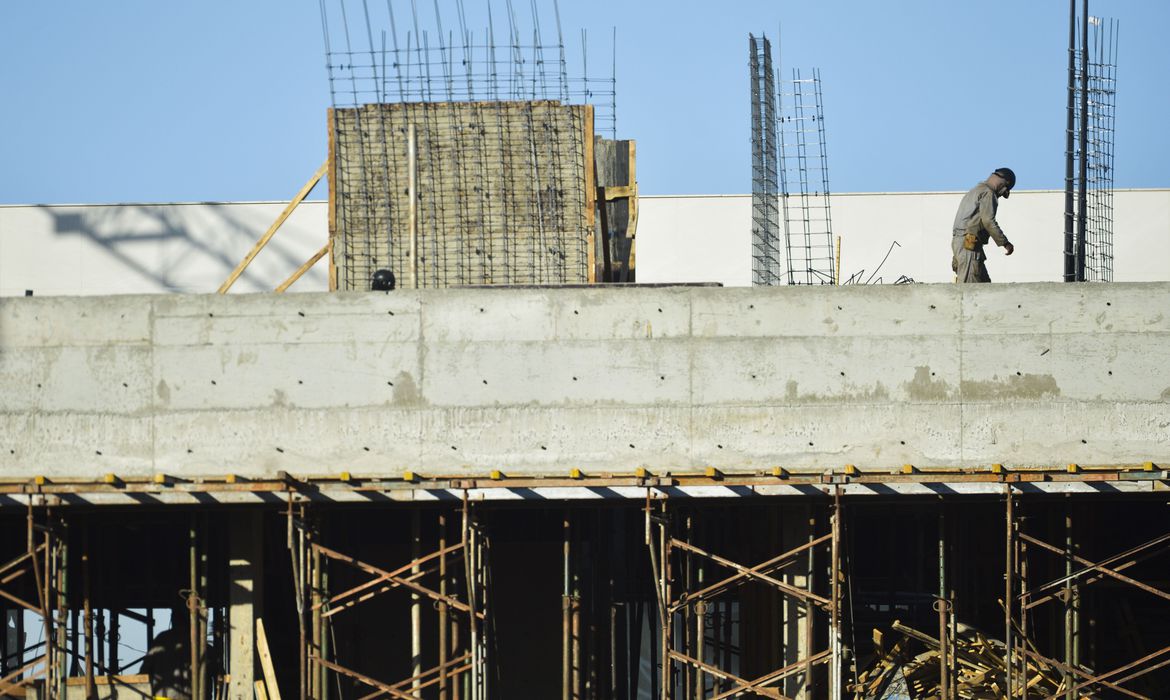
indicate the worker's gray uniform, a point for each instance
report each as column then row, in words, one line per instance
column 976, row 215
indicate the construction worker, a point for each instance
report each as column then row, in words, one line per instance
column 975, row 224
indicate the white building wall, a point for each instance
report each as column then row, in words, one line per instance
column 153, row 248
column 708, row 238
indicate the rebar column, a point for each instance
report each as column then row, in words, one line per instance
column 1082, row 191
column 1070, row 130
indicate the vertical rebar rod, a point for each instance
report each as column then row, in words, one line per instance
column 412, row 196
column 1084, row 142
column 1069, row 138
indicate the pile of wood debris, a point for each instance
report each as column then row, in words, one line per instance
column 907, row 666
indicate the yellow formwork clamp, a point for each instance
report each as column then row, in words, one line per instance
column 110, row 478
column 231, row 479
column 997, row 469
column 409, row 476
column 850, row 470
column 160, row 479
column 780, row 472
column 497, row 475
column 1148, row 466
column 40, row 480
column 1073, row 468
column 907, row 468
column 712, row 473
column 345, row 477
column 642, row 473
column 576, row 473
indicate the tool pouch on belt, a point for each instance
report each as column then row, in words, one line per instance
column 970, row 240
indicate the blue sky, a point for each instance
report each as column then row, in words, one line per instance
column 146, row 101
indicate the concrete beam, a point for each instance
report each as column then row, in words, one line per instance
column 538, row 381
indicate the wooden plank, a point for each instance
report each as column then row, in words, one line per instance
column 261, row 694
column 612, row 192
column 288, row 210
column 131, row 679
column 590, row 189
column 331, row 221
column 304, row 268
column 632, row 227
column 266, row 661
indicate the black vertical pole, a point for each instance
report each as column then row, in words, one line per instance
column 1082, row 198
column 1069, row 257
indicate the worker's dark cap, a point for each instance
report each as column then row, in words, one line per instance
column 1007, row 175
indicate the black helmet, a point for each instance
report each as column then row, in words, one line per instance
column 382, row 281
column 1007, row 175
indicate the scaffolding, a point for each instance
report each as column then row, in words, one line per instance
column 1043, row 585
column 460, row 158
column 766, row 254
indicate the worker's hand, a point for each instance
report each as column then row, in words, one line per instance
column 1009, row 248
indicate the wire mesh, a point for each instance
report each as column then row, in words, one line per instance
column 804, row 181
column 501, row 128
column 1101, row 84
column 767, row 258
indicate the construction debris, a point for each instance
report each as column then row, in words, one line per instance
column 910, row 667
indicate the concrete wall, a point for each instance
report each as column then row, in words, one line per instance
column 145, row 249
column 459, row 382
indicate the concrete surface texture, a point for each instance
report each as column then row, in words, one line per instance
column 146, row 249
column 539, row 381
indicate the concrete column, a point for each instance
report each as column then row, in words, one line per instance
column 246, row 573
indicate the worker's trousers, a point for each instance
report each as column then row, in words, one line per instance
column 968, row 264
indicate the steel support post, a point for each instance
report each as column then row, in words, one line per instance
column 193, row 606
column 415, row 603
column 87, row 616
column 1008, row 591
column 443, row 615
column 835, row 681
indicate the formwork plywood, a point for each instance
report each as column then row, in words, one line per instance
column 503, row 192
